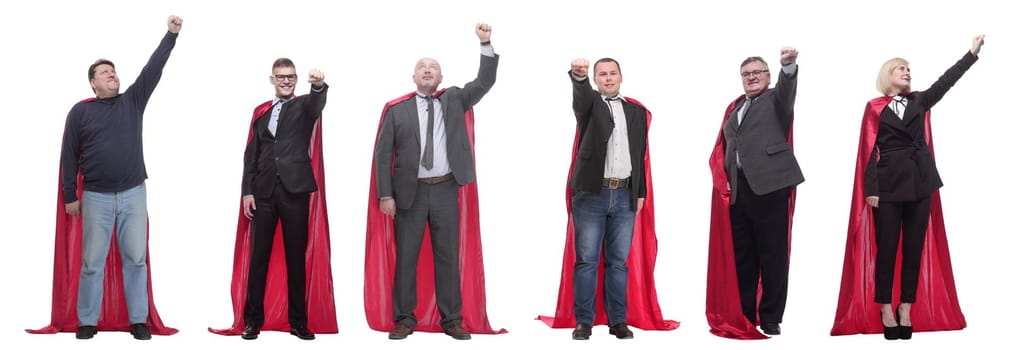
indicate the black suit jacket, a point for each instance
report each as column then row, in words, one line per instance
column 284, row 156
column 906, row 170
column 762, row 140
column 399, row 137
column 594, row 128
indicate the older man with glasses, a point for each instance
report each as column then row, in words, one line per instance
column 755, row 174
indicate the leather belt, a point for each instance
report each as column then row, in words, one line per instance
column 435, row 180
column 614, row 183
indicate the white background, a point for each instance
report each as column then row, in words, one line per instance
column 681, row 60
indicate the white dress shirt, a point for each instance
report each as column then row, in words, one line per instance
column 618, row 150
column 897, row 105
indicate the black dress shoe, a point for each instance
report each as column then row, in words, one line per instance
column 302, row 333
column 251, row 332
column 582, row 332
column 621, row 331
column 457, row 332
column 400, row 332
column 770, row 328
column 140, row 331
column 86, row 332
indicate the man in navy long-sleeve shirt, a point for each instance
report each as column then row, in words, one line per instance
column 103, row 141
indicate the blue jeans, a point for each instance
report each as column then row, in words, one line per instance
column 127, row 212
column 602, row 220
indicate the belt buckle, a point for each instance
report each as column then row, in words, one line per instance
column 613, row 183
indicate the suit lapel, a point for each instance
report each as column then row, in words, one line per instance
column 888, row 116
column 413, row 118
column 631, row 115
column 734, row 115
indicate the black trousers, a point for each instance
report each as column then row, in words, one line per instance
column 292, row 210
column 760, row 241
column 891, row 219
column 437, row 206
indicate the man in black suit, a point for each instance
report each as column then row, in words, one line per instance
column 609, row 184
column 276, row 184
column 762, row 172
column 430, row 163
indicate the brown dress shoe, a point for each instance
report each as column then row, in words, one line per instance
column 457, row 332
column 621, row 331
column 400, row 332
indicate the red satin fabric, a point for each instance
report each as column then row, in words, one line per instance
column 937, row 307
column 380, row 261
column 723, row 309
column 66, row 278
column 320, row 305
column 643, row 309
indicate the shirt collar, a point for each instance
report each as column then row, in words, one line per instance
column 619, row 97
column 277, row 99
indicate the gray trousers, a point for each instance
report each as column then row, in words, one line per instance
column 437, row 206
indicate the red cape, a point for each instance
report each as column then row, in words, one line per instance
column 723, row 309
column 320, row 304
column 380, row 260
column 937, row 307
column 643, row 309
column 67, row 272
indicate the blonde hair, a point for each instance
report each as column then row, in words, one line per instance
column 883, row 79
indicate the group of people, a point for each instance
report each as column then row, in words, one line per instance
column 423, row 184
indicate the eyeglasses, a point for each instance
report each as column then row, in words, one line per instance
column 752, row 73
column 282, row 77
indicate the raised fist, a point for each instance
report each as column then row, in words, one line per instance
column 976, row 46
column 174, row 24
column 788, row 55
column 580, row 67
column 316, row 77
column 483, row 32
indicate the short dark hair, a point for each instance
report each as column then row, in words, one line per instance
column 283, row 62
column 605, row 59
column 98, row 62
column 752, row 59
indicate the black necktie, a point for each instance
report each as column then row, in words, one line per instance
column 608, row 100
column 428, row 159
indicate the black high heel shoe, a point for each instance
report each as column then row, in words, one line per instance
column 890, row 333
column 904, row 331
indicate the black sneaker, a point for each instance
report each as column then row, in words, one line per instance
column 140, row 331
column 86, row 332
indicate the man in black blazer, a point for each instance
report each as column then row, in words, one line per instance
column 762, row 172
column 276, row 185
column 609, row 188
column 424, row 141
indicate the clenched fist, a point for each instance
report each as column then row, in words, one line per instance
column 580, row 67
column 316, row 77
column 976, row 46
column 483, row 32
column 788, row 55
column 174, row 24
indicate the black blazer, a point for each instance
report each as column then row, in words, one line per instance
column 906, row 170
column 399, row 137
column 594, row 128
column 284, row 156
column 762, row 140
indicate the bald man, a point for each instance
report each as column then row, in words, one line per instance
column 425, row 135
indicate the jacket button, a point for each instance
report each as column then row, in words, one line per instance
column 276, row 158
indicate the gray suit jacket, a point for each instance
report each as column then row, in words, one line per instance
column 762, row 140
column 399, row 138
